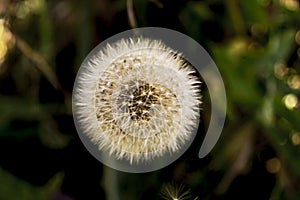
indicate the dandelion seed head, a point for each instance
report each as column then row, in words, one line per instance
column 137, row 99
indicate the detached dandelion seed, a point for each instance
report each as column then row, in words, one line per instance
column 175, row 192
column 137, row 99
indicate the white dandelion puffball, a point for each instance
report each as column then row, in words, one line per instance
column 137, row 99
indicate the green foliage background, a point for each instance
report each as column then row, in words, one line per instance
column 255, row 44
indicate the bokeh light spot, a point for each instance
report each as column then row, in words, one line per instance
column 280, row 70
column 290, row 101
column 5, row 40
column 296, row 139
column 294, row 82
column 273, row 165
column 3, row 49
column 292, row 5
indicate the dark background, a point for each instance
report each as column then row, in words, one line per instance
column 255, row 44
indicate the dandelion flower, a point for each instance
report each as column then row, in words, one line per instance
column 137, row 99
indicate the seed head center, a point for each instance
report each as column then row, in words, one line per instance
column 141, row 101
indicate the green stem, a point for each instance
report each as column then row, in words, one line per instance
column 236, row 17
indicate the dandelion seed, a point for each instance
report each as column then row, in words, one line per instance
column 137, row 100
column 175, row 192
